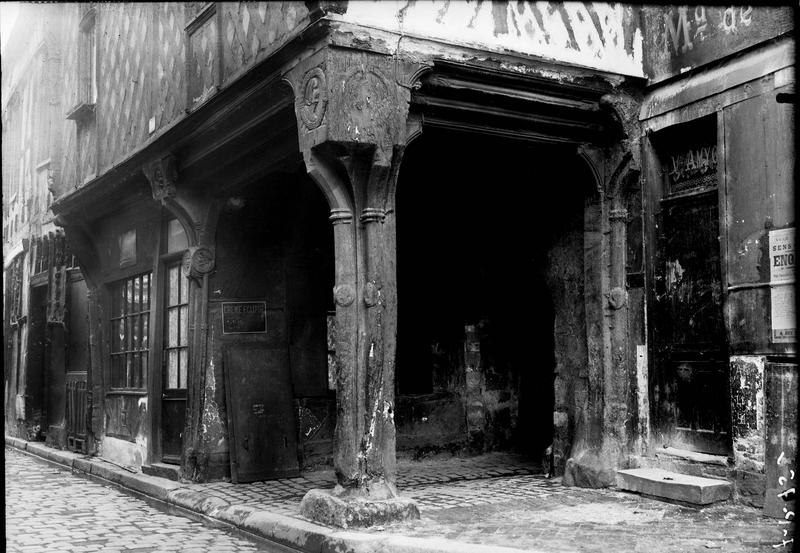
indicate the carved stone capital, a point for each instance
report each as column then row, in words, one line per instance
column 163, row 176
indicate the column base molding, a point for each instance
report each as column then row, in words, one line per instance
column 347, row 508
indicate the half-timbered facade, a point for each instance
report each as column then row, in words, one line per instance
column 326, row 232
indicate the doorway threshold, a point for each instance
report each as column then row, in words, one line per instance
column 163, row 470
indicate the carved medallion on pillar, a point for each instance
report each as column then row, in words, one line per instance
column 313, row 98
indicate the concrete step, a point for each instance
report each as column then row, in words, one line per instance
column 664, row 484
column 163, row 470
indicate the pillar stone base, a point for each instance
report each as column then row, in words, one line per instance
column 356, row 509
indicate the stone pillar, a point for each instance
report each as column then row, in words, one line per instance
column 352, row 109
column 617, row 380
column 348, row 380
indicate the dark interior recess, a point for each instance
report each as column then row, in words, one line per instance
column 477, row 219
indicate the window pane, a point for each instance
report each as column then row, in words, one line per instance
column 137, row 294
column 137, row 331
column 145, row 331
column 129, row 296
column 174, row 276
column 172, row 328
column 176, row 238
column 128, row 369
column 136, row 375
column 146, row 293
column 172, row 368
column 184, row 355
column 184, row 333
column 184, row 289
column 115, row 369
column 143, row 369
column 117, row 335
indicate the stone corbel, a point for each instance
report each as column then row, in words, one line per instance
column 83, row 247
column 162, row 174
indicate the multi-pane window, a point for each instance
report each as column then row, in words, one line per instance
column 176, row 319
column 130, row 317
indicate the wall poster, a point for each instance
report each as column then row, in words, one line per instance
column 782, row 296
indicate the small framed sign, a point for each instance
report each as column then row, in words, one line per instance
column 244, row 317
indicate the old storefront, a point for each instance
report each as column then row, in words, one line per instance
column 325, row 232
column 720, row 172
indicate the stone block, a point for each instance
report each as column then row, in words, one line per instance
column 335, row 508
column 750, row 488
column 670, row 485
column 587, row 470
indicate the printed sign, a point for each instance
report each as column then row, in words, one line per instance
column 245, row 317
column 781, row 255
column 784, row 316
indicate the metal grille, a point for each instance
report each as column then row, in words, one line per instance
column 708, row 180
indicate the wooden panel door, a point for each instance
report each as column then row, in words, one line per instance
column 261, row 421
column 689, row 334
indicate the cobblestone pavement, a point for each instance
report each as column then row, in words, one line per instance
column 494, row 499
column 49, row 509
column 498, row 499
column 531, row 512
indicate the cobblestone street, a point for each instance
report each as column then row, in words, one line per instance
column 493, row 500
column 48, row 509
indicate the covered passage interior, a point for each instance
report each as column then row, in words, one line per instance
column 491, row 330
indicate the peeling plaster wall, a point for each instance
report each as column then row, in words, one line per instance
column 597, row 35
column 747, row 407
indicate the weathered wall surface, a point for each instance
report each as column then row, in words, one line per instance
column 599, row 35
column 759, row 169
column 566, row 274
column 680, row 38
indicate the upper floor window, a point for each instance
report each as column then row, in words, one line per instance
column 130, row 318
column 87, row 53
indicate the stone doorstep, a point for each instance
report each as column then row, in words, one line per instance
column 163, row 470
column 293, row 533
column 664, row 484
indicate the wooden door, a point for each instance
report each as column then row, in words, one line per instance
column 691, row 354
column 261, row 420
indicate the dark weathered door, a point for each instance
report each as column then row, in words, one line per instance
column 691, row 354
column 261, row 420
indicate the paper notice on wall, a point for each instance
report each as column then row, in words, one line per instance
column 781, row 255
column 784, row 316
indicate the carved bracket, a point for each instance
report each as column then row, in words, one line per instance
column 163, row 176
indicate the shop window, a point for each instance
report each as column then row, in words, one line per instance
column 130, row 346
column 176, row 319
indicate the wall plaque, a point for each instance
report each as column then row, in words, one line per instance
column 244, row 317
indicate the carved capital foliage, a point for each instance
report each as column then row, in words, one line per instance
column 163, row 176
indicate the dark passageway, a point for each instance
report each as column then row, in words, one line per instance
column 477, row 221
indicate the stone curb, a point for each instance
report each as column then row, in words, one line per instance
column 284, row 530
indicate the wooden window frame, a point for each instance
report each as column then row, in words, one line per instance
column 139, row 355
